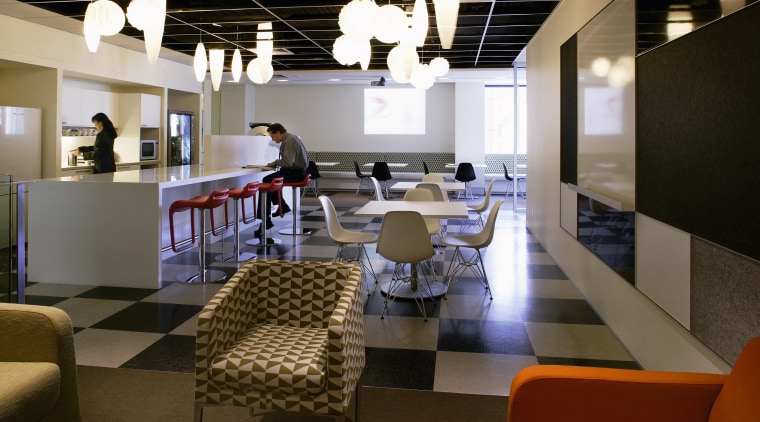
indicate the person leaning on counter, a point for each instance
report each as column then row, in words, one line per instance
column 103, row 158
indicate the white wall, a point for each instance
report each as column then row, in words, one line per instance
column 331, row 118
column 654, row 338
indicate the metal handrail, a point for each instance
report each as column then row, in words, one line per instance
column 20, row 224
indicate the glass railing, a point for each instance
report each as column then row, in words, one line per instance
column 12, row 240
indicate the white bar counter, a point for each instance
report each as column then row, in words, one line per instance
column 110, row 229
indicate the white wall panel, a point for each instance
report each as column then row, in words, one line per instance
column 663, row 266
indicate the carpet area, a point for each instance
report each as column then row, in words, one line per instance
column 129, row 395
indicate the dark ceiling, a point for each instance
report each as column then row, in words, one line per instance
column 489, row 34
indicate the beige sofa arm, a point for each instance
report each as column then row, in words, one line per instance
column 30, row 333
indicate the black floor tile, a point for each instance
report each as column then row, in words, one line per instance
column 546, row 272
column 149, row 317
column 117, row 293
column 559, row 311
column 478, row 336
column 399, row 368
column 171, row 353
column 618, row 364
column 400, row 307
column 44, row 300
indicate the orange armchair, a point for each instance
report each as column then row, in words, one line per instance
column 575, row 394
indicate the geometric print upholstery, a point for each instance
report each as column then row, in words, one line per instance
column 275, row 359
column 296, row 297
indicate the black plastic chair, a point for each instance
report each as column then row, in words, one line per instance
column 424, row 166
column 313, row 171
column 465, row 173
column 382, row 173
column 512, row 181
column 362, row 178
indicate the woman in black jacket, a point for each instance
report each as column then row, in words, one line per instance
column 104, row 161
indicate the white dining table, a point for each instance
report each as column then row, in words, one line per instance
column 445, row 186
column 434, row 209
column 454, row 165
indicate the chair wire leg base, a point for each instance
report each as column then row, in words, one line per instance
column 459, row 263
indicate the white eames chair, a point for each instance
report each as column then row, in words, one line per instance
column 404, row 240
column 482, row 207
column 433, row 178
column 433, row 225
column 476, row 241
column 343, row 237
column 378, row 190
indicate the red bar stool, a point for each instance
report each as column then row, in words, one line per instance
column 201, row 203
column 295, row 185
column 241, row 194
column 264, row 189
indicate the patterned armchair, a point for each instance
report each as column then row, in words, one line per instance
column 282, row 335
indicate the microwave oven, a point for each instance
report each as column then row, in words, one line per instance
column 148, row 149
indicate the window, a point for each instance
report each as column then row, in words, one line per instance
column 500, row 119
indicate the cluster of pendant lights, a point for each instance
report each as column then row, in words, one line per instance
column 360, row 20
column 259, row 70
column 105, row 18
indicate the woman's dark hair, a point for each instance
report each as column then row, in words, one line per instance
column 276, row 127
column 106, row 122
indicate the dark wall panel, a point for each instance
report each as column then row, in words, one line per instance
column 698, row 132
column 568, row 171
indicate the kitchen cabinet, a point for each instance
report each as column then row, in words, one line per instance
column 140, row 117
column 80, row 104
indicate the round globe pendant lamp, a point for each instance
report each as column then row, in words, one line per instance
column 259, row 70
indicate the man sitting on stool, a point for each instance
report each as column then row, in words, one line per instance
column 292, row 165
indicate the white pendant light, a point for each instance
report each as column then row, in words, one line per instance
column 349, row 50
column 422, row 76
column 237, row 65
column 106, row 16
column 357, row 19
column 440, row 66
column 446, row 14
column 216, row 65
column 419, row 22
column 91, row 34
column 149, row 16
column 200, row 63
column 401, row 61
column 264, row 41
column 259, row 71
column 390, row 22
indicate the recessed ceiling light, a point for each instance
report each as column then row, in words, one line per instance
column 333, row 80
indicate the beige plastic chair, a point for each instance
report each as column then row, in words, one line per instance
column 433, row 178
column 481, row 208
column 433, row 224
column 404, row 240
column 343, row 237
column 377, row 189
column 476, row 241
column 438, row 194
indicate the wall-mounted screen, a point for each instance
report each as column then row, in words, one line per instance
column 394, row 111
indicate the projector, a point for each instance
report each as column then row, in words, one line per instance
column 381, row 82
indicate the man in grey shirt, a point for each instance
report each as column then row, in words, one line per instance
column 291, row 165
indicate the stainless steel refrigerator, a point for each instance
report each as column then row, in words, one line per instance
column 180, row 138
